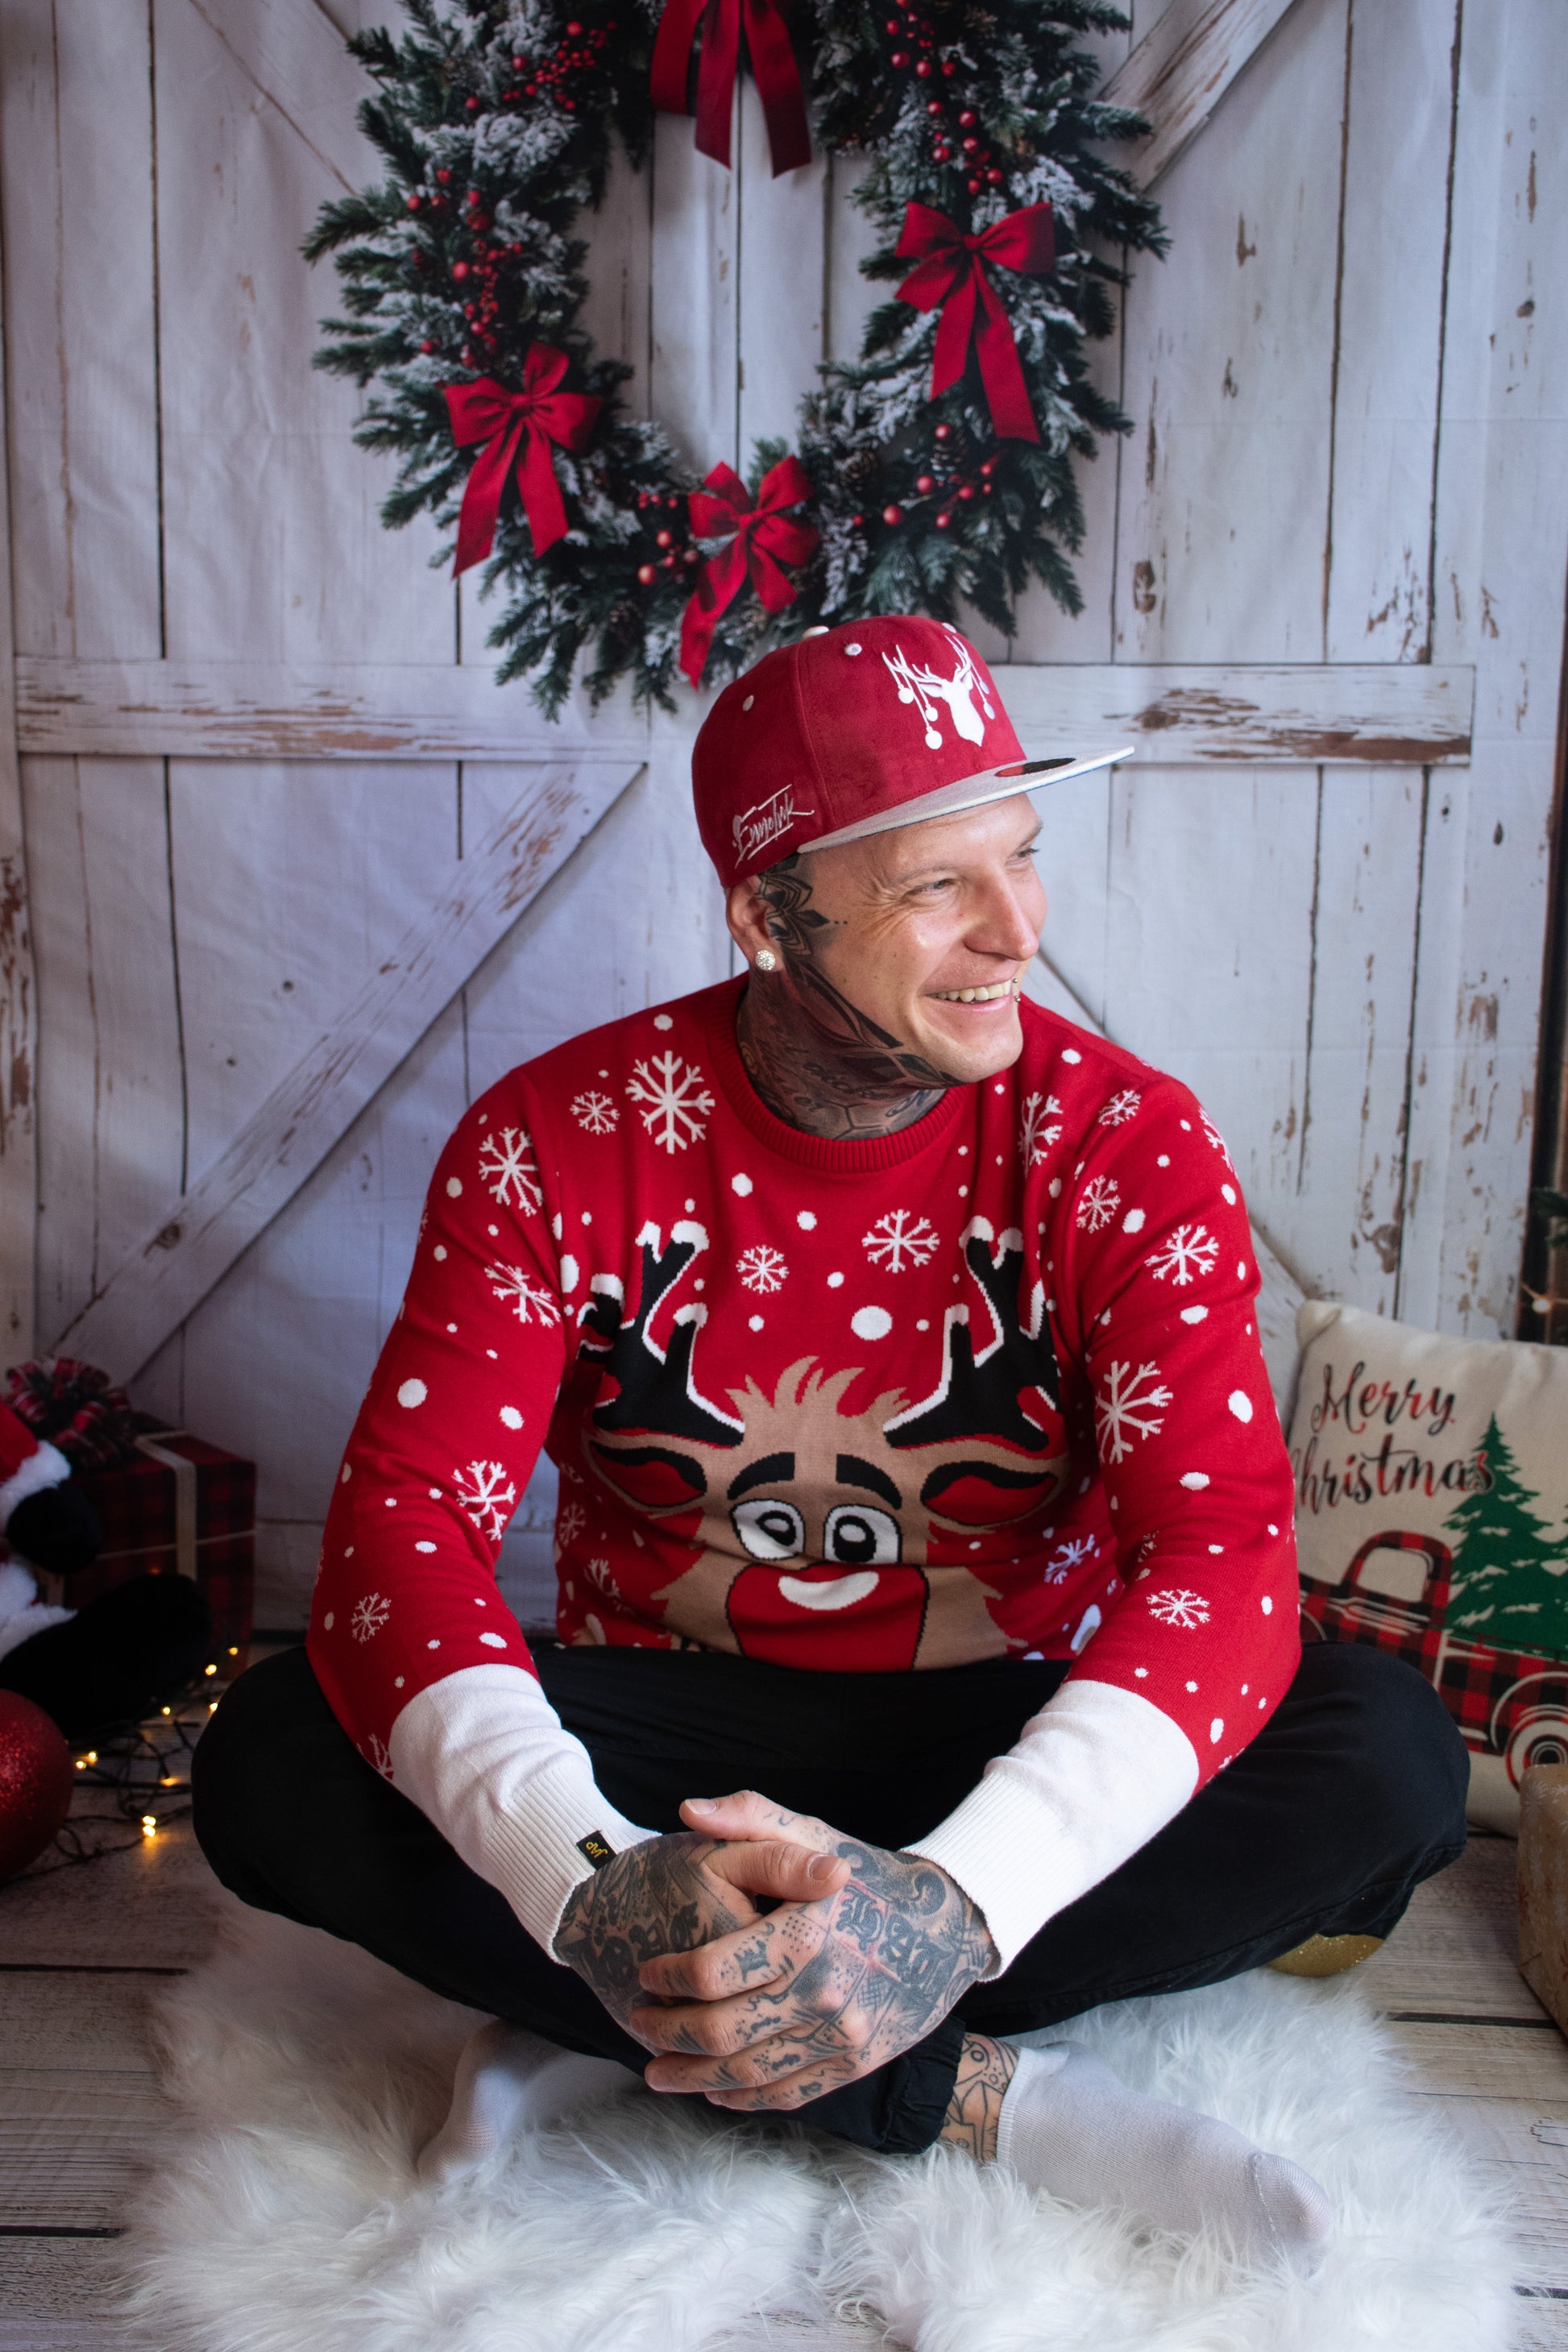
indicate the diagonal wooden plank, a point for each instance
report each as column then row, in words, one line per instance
column 1281, row 1293
column 1389, row 714
column 296, row 60
column 1182, row 68
column 200, row 1235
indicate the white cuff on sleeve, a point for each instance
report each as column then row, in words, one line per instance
column 1093, row 1777
column 485, row 1756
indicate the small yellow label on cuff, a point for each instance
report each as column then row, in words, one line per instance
column 596, row 1848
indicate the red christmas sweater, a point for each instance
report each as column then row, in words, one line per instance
column 991, row 1386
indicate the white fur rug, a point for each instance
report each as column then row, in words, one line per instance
column 287, row 2216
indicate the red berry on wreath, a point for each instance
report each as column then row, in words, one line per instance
column 444, row 176
column 988, row 468
column 892, row 25
column 664, row 539
column 968, row 118
column 944, row 433
column 857, row 522
column 690, row 557
column 427, row 346
column 974, row 186
column 923, row 69
column 572, row 28
column 900, row 58
column 948, row 67
column 412, row 202
column 994, row 177
column 459, row 270
column 892, row 516
column 966, row 491
column 647, row 575
column 925, row 485
column 472, row 104
column 942, row 521
column 972, row 146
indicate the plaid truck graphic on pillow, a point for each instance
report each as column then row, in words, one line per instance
column 1432, row 1520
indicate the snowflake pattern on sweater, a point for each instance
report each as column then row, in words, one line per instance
column 902, row 1402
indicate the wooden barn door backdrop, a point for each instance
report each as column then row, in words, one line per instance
column 285, row 879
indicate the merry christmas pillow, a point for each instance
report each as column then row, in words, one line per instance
column 1432, row 1519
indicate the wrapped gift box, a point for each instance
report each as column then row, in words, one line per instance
column 181, row 1507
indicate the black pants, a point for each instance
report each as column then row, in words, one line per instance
column 1352, row 1793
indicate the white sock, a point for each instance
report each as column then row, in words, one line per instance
column 1070, row 2127
column 511, row 2081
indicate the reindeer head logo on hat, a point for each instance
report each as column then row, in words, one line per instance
column 927, row 687
column 803, row 1503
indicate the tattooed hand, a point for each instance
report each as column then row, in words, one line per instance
column 672, row 1895
column 788, row 2007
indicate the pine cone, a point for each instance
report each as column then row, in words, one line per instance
column 862, row 470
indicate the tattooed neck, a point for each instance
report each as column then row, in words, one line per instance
column 817, row 1061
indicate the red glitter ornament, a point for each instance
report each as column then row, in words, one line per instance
column 892, row 516
column 925, row 484
column 35, row 1782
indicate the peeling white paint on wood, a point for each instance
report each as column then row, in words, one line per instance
column 1182, row 68
column 1197, row 714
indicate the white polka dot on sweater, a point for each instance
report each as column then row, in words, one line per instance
column 326, row 1621
column 453, row 1187
column 1192, row 1686
column 741, row 1182
column 662, row 1021
column 870, row 1322
column 1272, row 1529
column 1132, row 1223
column 1197, row 1479
column 754, row 1323
column 1072, row 1055
column 1195, row 1315
column 570, row 1271
column 510, row 1416
column 439, row 1253
column 412, row 1393
column 1227, row 1192
column 493, row 1641
column 836, row 1282
column 1240, row 1404
column 434, row 1493
column 1216, row 1730
column 424, row 1547
column 433, row 1645
column 806, row 1220
column 1054, row 1188
column 346, row 1473
column 1163, row 1160
column 1268, row 1606
column 1141, row 1672
column 391, row 1502
column 397, row 1682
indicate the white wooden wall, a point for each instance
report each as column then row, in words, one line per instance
column 1349, row 388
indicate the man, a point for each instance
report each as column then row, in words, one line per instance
column 896, row 1343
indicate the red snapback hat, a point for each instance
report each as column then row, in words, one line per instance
column 854, row 730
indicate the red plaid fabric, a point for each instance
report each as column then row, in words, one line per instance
column 1505, row 1702
column 136, row 1505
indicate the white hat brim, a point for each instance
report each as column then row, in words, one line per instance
column 974, row 791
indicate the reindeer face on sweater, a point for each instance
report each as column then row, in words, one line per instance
column 810, row 1499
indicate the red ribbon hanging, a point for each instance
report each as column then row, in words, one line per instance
column 485, row 411
column 762, row 536
column 772, row 63
column 951, row 269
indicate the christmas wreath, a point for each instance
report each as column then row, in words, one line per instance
column 936, row 466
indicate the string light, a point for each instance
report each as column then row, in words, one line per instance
column 148, row 1826
column 212, row 1670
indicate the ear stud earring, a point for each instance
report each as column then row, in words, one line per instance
column 766, row 959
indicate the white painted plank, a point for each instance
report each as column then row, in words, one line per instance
column 1347, row 1220
column 18, row 1004
column 1388, row 348
column 783, row 282
column 1379, row 713
column 274, row 539
column 111, row 1115
column 76, row 149
column 55, row 2295
column 693, row 373
column 199, row 1237
column 1455, row 1951
column 1501, row 526
column 1228, row 373
column 1183, row 67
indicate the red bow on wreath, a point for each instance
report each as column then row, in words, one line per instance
column 772, row 63
column 763, row 535
column 953, row 271
column 485, row 411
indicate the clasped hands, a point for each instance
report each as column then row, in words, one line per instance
column 866, row 1952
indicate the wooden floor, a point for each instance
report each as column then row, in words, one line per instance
column 79, row 2111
